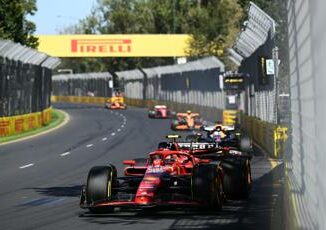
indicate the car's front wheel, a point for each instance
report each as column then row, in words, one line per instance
column 100, row 181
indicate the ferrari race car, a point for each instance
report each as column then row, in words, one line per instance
column 116, row 102
column 161, row 111
column 166, row 178
column 234, row 155
column 187, row 121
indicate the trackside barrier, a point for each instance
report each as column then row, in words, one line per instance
column 77, row 99
column 208, row 113
column 21, row 123
column 270, row 137
column 230, row 117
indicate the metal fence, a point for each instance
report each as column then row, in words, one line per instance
column 195, row 82
column 306, row 163
column 25, row 79
column 88, row 84
column 251, row 52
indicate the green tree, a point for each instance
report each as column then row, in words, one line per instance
column 214, row 25
column 13, row 23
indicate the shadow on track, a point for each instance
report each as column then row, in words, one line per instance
column 263, row 210
column 73, row 191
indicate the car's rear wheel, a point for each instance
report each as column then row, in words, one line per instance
column 100, row 181
column 237, row 178
column 174, row 124
column 207, row 185
column 245, row 143
column 151, row 114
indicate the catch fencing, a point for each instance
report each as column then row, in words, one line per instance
column 25, row 79
column 196, row 83
column 87, row 84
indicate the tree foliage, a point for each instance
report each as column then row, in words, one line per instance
column 214, row 25
column 13, row 23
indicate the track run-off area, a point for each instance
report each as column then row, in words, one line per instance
column 41, row 178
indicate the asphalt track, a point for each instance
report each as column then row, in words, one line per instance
column 41, row 178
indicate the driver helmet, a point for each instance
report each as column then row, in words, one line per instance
column 189, row 112
column 158, row 162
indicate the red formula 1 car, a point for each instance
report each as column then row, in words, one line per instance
column 161, row 111
column 187, row 121
column 166, row 178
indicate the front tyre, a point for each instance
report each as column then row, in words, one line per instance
column 100, row 181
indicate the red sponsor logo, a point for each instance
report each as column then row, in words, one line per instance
column 19, row 125
column 30, row 122
column 101, row 45
column 4, row 128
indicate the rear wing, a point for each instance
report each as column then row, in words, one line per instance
column 197, row 145
column 185, row 114
column 223, row 127
column 117, row 100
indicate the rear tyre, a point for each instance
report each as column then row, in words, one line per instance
column 174, row 125
column 100, row 181
column 207, row 186
column 151, row 114
column 237, row 178
column 245, row 143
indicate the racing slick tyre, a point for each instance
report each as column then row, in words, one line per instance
column 237, row 178
column 151, row 114
column 100, row 181
column 207, row 185
column 245, row 143
column 172, row 115
column 174, row 125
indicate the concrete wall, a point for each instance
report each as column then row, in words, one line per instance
column 306, row 163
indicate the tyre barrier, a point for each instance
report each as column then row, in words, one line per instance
column 21, row 123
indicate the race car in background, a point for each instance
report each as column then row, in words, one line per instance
column 187, row 121
column 235, row 158
column 167, row 177
column 116, row 102
column 161, row 111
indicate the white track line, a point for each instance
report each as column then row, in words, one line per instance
column 112, row 134
column 119, row 130
column 64, row 154
column 26, row 166
column 88, row 146
column 104, row 139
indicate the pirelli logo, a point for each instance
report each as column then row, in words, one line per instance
column 101, row 46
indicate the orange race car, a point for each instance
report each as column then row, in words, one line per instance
column 187, row 121
column 116, row 102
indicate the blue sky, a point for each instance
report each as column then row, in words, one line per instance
column 54, row 15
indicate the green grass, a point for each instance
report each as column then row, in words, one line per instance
column 57, row 118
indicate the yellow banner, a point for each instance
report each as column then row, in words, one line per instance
column 21, row 123
column 126, row 45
